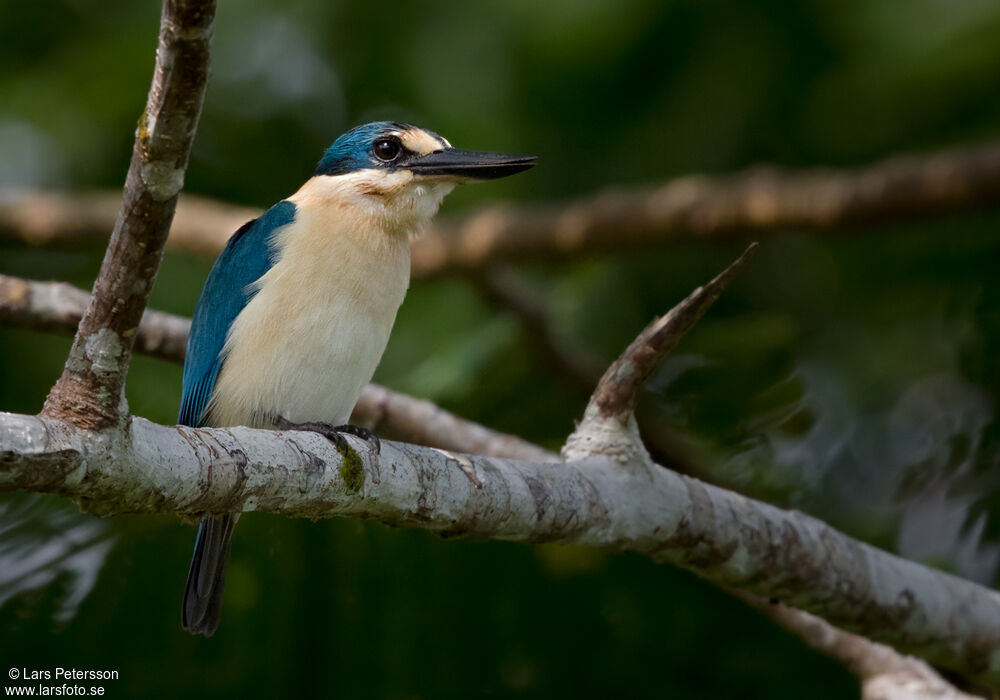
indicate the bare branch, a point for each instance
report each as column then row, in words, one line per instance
column 508, row 290
column 755, row 201
column 415, row 420
column 54, row 306
column 609, row 430
column 724, row 537
column 57, row 307
column 885, row 674
column 616, row 393
column 90, row 391
column 41, row 218
column 200, row 225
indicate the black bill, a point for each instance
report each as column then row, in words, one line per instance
column 477, row 165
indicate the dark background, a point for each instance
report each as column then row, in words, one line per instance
column 849, row 374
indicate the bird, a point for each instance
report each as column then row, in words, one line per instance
column 297, row 309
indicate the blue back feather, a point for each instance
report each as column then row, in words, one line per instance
column 247, row 256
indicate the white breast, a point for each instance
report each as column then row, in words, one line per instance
column 312, row 336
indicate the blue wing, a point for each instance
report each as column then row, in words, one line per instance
column 247, row 256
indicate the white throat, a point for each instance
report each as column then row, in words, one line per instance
column 390, row 202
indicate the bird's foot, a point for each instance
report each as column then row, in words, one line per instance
column 364, row 433
column 333, row 433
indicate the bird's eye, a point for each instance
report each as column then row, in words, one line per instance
column 387, row 149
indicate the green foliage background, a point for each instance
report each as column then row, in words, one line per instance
column 850, row 375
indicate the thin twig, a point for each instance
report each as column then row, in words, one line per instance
column 508, row 290
column 616, row 394
column 90, row 391
column 884, row 673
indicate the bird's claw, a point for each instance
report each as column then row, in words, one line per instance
column 364, row 433
column 334, row 433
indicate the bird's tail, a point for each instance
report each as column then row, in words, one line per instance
column 203, row 594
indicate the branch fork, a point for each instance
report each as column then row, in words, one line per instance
column 90, row 393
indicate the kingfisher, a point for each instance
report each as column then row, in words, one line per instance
column 297, row 309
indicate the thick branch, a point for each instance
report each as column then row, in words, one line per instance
column 757, row 201
column 57, row 307
column 54, row 306
column 609, row 429
column 722, row 536
column 90, row 391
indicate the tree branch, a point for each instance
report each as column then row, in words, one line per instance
column 201, row 225
column 617, row 391
column 618, row 500
column 885, row 674
column 608, row 431
column 57, row 307
column 403, row 417
column 722, row 536
column 90, row 392
column 757, row 201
